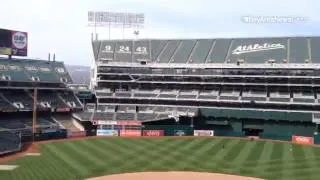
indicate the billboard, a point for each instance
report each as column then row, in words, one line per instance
column 179, row 133
column 13, row 43
column 203, row 133
column 104, row 132
column 302, row 140
column 130, row 133
column 153, row 133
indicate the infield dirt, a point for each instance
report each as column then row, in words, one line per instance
column 172, row 176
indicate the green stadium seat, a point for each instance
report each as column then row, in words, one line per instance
column 157, row 47
column 123, row 51
column 298, row 50
column 219, row 51
column 183, row 52
column 168, row 51
column 201, row 51
column 315, row 53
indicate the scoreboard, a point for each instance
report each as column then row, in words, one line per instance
column 13, row 43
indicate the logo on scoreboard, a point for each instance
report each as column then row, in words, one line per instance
column 19, row 40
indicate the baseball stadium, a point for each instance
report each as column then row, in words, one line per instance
column 219, row 108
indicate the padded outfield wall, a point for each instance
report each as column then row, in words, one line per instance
column 273, row 125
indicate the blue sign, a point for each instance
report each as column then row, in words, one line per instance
column 105, row 132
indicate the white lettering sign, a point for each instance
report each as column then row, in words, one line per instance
column 256, row 48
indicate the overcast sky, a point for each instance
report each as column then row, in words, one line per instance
column 60, row 26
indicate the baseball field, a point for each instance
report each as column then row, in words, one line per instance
column 97, row 157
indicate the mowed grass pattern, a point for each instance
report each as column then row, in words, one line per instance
column 97, row 157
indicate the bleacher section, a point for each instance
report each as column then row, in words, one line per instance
column 231, row 51
column 226, row 93
column 9, row 142
column 200, row 51
column 23, row 70
column 16, row 99
column 130, row 112
column 183, row 52
column 18, row 122
column 66, row 121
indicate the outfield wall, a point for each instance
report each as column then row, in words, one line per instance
column 273, row 125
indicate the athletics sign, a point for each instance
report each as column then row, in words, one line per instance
column 256, row 48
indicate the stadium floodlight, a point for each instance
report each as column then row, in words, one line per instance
column 115, row 20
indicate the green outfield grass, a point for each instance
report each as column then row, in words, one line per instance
column 96, row 157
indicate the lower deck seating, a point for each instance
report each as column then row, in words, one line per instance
column 9, row 142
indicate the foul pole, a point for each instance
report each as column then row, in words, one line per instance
column 34, row 113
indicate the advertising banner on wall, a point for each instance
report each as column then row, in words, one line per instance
column 100, row 122
column 203, row 133
column 77, row 133
column 179, row 133
column 105, row 132
column 130, row 133
column 153, row 133
column 302, row 140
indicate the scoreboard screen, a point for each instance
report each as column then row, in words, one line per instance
column 13, row 43
column 5, row 42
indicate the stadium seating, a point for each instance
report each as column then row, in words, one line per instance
column 201, row 51
column 219, row 51
column 12, row 71
column 184, row 94
column 69, row 98
column 227, row 93
column 5, row 106
column 315, row 54
column 19, row 98
column 146, row 116
column 208, row 94
column 183, row 52
column 157, row 47
column 25, row 70
column 303, row 96
column 254, row 94
column 144, row 93
column 262, row 50
column 122, row 93
column 50, row 99
column 103, row 116
column 279, row 96
column 40, row 71
column 9, row 142
column 168, row 51
column 125, row 116
column 62, row 72
column 141, row 51
column 123, row 51
column 106, row 51
column 299, row 50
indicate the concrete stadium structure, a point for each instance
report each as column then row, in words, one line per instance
column 265, row 87
column 19, row 78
